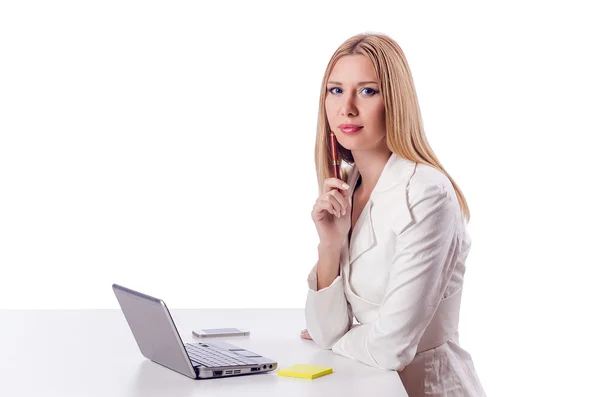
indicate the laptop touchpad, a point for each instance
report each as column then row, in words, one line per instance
column 247, row 353
column 233, row 348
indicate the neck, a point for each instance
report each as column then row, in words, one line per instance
column 370, row 165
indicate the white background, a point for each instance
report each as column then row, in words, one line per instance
column 168, row 147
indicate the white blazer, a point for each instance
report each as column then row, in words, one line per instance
column 401, row 277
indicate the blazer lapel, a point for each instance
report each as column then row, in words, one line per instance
column 396, row 171
column 363, row 236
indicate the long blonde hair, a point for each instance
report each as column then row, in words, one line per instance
column 404, row 126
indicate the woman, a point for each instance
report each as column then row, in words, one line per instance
column 393, row 240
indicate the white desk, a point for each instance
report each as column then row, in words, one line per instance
column 93, row 353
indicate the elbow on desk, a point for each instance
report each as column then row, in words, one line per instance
column 392, row 359
column 390, row 362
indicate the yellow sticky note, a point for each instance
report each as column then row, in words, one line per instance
column 305, row 371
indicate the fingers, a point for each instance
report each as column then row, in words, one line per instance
column 334, row 183
column 335, row 200
column 332, row 202
column 322, row 206
column 305, row 335
column 339, row 202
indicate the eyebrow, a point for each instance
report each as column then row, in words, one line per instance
column 359, row 83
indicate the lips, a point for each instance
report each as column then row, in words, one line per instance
column 350, row 128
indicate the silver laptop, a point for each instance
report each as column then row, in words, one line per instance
column 158, row 339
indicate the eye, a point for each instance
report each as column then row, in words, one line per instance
column 368, row 91
column 373, row 92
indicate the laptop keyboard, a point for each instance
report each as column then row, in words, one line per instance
column 210, row 357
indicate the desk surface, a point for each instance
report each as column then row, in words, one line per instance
column 93, row 353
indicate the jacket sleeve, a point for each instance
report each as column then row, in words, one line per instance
column 422, row 264
column 328, row 314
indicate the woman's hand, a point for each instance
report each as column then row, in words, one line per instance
column 331, row 212
column 305, row 335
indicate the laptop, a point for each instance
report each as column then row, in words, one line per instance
column 158, row 339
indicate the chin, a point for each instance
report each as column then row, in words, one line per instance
column 352, row 143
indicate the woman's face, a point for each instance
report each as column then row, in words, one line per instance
column 353, row 97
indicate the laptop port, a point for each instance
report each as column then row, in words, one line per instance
column 217, row 373
column 255, row 369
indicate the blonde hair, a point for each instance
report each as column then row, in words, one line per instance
column 404, row 127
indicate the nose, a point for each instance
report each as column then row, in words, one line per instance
column 347, row 106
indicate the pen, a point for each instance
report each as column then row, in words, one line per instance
column 334, row 156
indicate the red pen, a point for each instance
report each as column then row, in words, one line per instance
column 334, row 155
